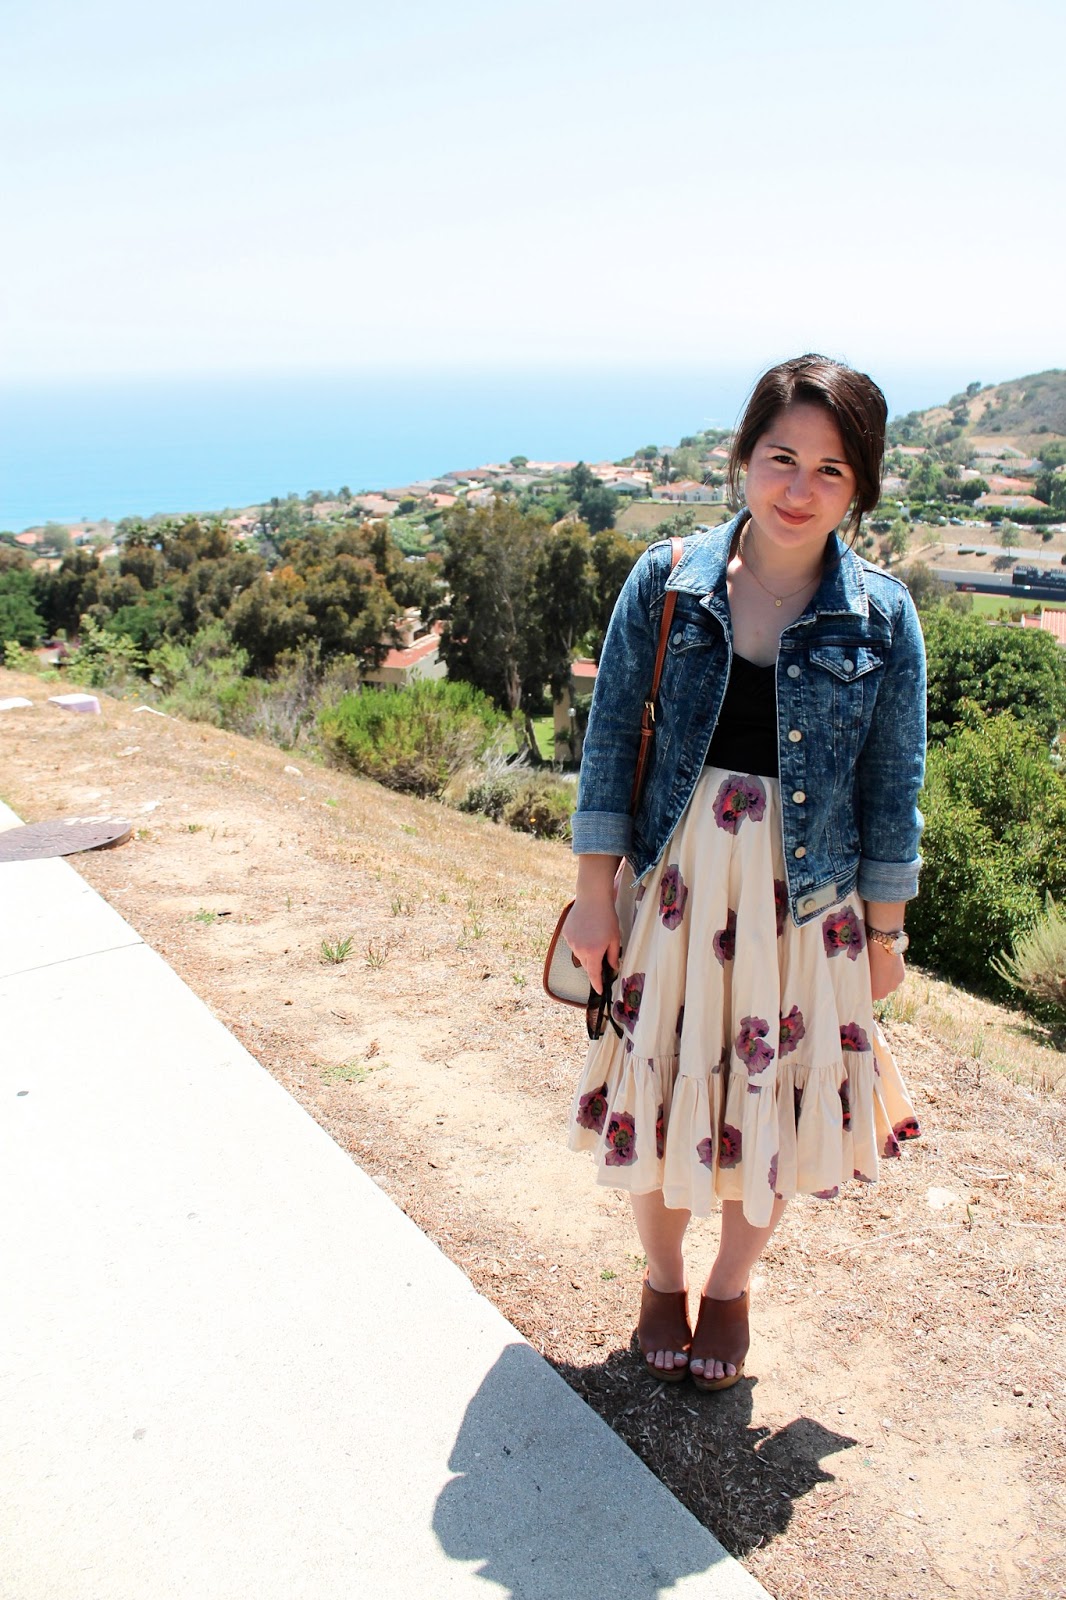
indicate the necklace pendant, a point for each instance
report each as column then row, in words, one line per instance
column 777, row 603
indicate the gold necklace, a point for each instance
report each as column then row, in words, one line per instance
column 778, row 600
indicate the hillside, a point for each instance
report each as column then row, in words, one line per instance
column 1023, row 413
column 891, row 1323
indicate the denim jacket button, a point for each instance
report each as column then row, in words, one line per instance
column 800, row 851
column 799, row 797
column 849, row 666
column 793, row 671
column 794, row 736
column 810, row 904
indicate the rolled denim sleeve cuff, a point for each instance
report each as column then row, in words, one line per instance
column 888, row 880
column 606, row 833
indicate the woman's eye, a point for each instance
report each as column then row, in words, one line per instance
column 786, row 461
column 832, row 472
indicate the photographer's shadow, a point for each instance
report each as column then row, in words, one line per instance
column 546, row 1500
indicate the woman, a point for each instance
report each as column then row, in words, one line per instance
column 767, row 866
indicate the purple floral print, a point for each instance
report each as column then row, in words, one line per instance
column 621, row 1140
column 891, row 1146
column 780, row 904
column 750, row 1044
column 592, row 1109
column 827, row 1194
column 771, row 1176
column 721, row 1064
column 660, row 1134
column 626, row 1008
column 705, row 1151
column 673, row 894
column 861, row 1176
column 907, row 1129
column 724, row 943
column 640, row 893
column 845, row 1105
column 852, row 1037
column 739, row 798
column 792, row 1031
column 728, row 1146
column 842, row 930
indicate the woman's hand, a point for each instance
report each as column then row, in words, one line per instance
column 591, row 930
column 886, row 970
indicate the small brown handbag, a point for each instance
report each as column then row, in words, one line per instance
column 565, row 978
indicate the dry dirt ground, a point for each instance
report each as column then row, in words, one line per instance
column 902, row 1428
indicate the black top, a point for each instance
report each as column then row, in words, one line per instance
column 745, row 739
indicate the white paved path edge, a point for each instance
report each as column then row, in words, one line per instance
column 201, row 1292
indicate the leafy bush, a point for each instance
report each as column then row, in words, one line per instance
column 1000, row 669
column 204, row 679
column 994, row 846
column 412, row 739
column 1037, row 962
column 541, row 805
column 531, row 802
column 490, row 794
column 105, row 660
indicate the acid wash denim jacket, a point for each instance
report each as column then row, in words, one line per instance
column 850, row 716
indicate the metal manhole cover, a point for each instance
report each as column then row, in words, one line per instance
column 65, row 836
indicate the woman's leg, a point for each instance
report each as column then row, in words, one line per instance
column 662, row 1233
column 739, row 1247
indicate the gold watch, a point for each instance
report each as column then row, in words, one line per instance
column 896, row 943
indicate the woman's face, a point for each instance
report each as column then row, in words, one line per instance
column 799, row 484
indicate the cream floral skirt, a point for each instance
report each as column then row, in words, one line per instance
column 742, row 1060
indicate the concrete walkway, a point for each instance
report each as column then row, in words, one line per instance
column 204, row 1311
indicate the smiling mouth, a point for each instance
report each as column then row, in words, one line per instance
column 793, row 517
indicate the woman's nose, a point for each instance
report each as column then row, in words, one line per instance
column 800, row 486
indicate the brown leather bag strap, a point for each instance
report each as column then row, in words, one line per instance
column 647, row 717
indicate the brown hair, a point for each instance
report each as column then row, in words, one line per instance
column 852, row 399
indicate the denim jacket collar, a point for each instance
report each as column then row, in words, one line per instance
column 702, row 571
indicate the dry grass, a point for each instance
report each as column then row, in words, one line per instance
column 903, row 1427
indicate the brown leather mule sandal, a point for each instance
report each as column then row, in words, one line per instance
column 664, row 1325
column 721, row 1335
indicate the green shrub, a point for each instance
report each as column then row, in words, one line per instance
column 999, row 669
column 203, row 679
column 491, row 794
column 413, row 739
column 1037, row 962
column 105, row 660
column 541, row 805
column 994, row 847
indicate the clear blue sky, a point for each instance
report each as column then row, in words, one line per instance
column 219, row 187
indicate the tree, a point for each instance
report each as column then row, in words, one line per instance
column 20, row 618
column 1050, row 487
column 564, row 602
column 925, row 480
column 1020, row 671
column 518, row 462
column 899, row 537
column 1009, row 537
column 598, row 508
column 56, row 536
column 972, row 490
column 580, row 479
column 613, row 558
column 490, row 564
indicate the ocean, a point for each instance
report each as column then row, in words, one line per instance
column 133, row 447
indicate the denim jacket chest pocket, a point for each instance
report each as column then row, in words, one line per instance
column 843, row 681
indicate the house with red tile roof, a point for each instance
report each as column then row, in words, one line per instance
column 1053, row 622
